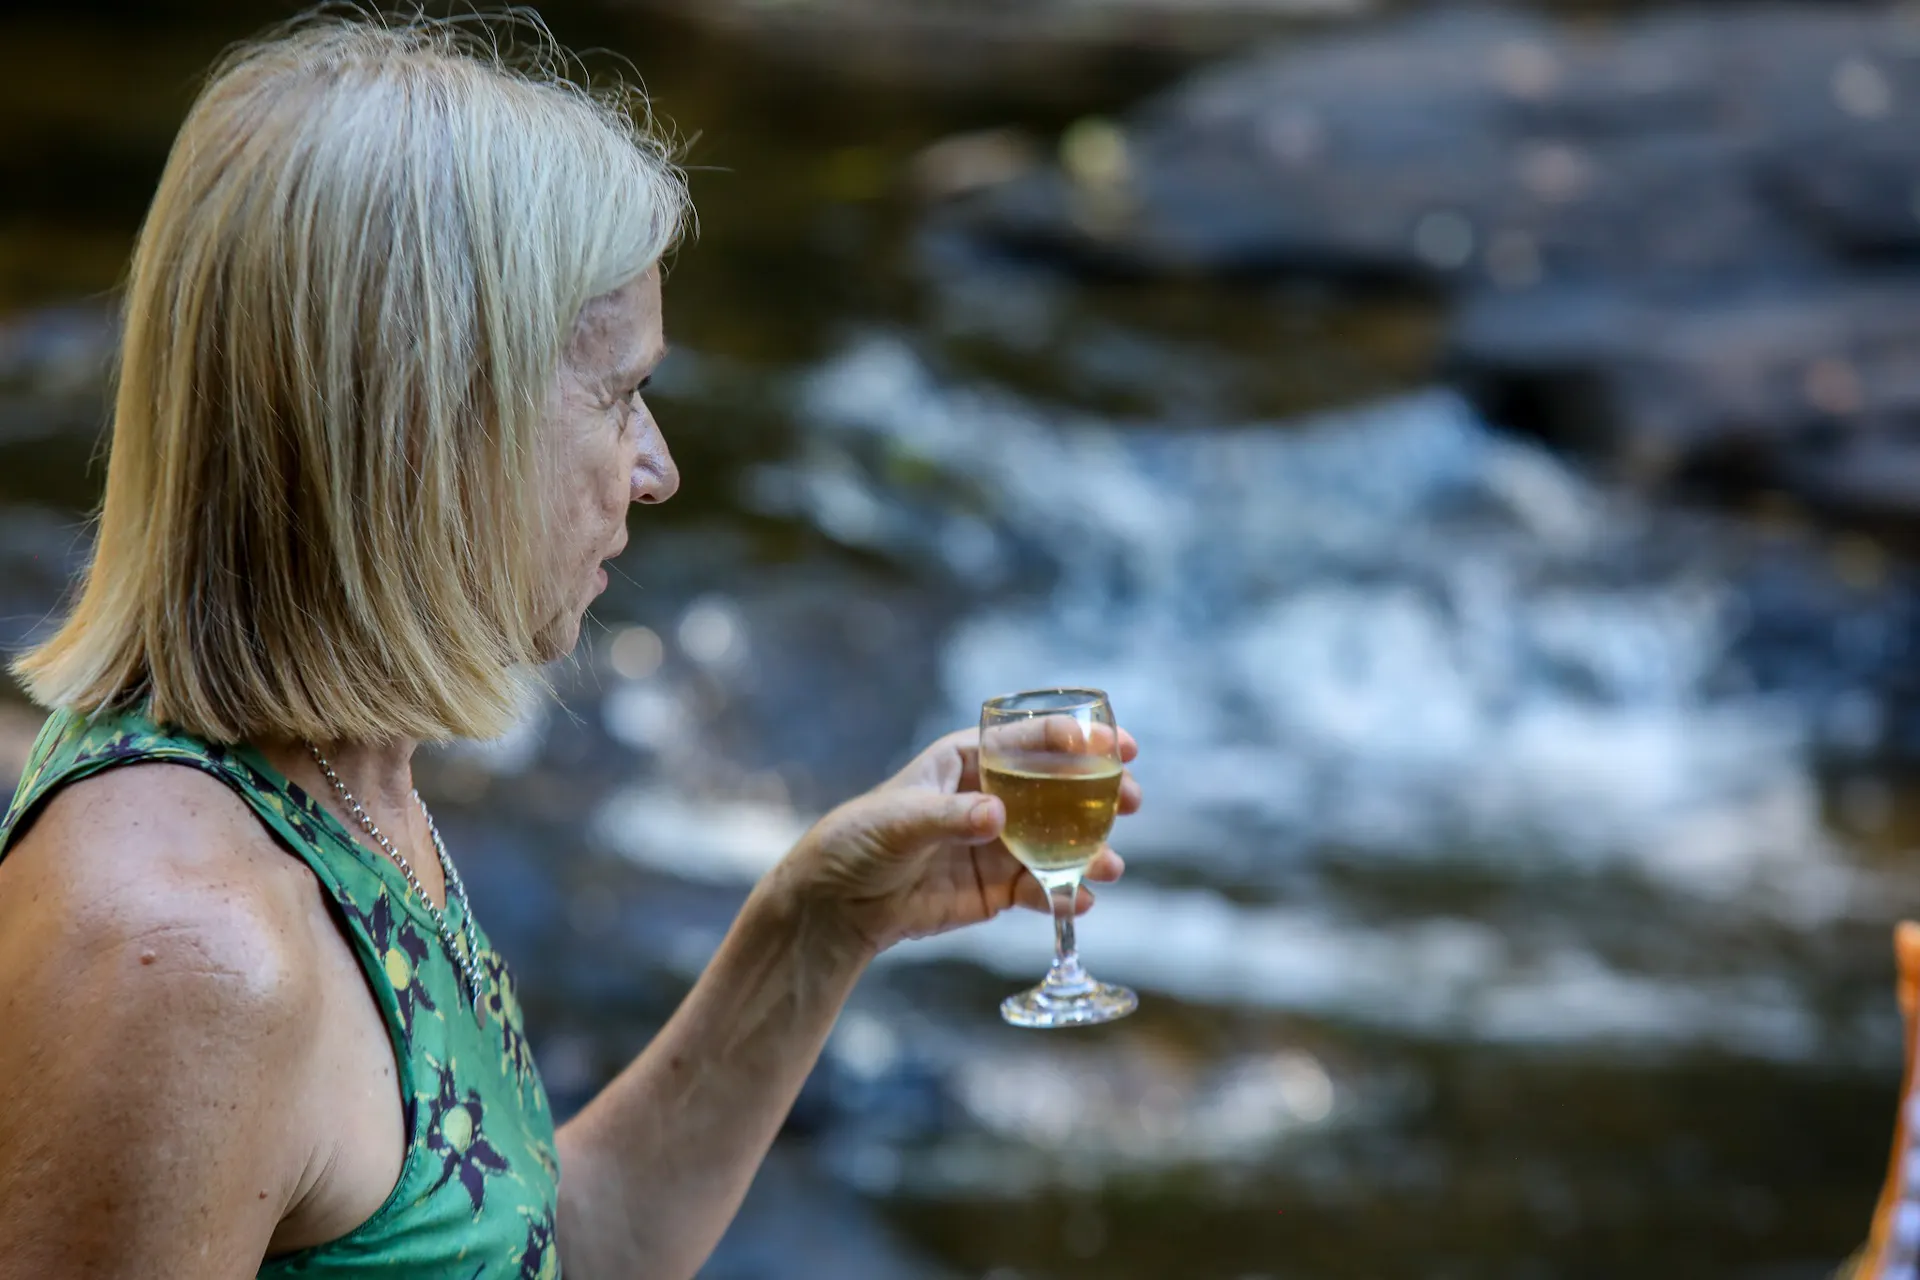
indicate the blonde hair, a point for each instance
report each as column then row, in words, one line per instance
column 366, row 254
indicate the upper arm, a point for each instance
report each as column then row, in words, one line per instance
column 155, row 1014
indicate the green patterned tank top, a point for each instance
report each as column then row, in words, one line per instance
column 476, row 1195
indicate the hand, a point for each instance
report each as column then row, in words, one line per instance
column 921, row 853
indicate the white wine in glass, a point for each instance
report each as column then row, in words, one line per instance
column 1059, row 808
column 1052, row 756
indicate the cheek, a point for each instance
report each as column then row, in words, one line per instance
column 613, row 477
column 587, row 477
column 597, row 466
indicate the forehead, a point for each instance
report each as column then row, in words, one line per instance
column 620, row 330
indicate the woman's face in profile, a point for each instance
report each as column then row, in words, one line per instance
column 604, row 449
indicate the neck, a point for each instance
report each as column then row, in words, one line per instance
column 380, row 775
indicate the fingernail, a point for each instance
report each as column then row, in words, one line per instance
column 981, row 814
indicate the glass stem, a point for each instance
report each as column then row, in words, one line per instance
column 1066, row 978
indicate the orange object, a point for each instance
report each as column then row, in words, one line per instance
column 1892, row 1251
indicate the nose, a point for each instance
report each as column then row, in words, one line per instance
column 655, row 477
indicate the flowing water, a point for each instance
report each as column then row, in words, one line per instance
column 1514, row 891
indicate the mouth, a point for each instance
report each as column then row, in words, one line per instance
column 600, row 570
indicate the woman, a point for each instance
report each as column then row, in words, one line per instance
column 379, row 422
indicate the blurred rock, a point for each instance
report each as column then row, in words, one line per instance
column 1690, row 246
column 19, row 726
column 985, row 42
column 1446, row 148
column 41, row 555
column 1808, row 387
column 798, row 1225
column 53, row 370
column 59, row 350
column 1756, row 383
column 1855, row 186
column 972, row 161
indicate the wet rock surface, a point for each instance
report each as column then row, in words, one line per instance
column 960, row 43
column 1687, row 245
column 53, row 368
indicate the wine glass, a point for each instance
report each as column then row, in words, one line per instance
column 1053, row 758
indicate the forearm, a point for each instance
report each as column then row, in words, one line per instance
column 655, row 1168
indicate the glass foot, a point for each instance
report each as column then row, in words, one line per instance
column 1083, row 1005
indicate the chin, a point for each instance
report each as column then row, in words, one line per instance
column 558, row 639
column 560, row 635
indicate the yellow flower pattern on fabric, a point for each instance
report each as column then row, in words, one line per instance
column 503, row 1009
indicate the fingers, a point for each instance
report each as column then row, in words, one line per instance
column 1028, row 893
column 1066, row 734
column 974, row 817
column 1058, row 735
column 1011, row 884
column 1061, row 734
column 910, row 818
column 965, row 741
column 1106, row 867
column 1100, row 740
column 1032, row 735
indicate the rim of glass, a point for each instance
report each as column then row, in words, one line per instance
column 1079, row 699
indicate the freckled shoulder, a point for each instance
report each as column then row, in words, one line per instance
column 157, row 851
column 157, row 981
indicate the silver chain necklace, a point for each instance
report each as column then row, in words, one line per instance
column 466, row 961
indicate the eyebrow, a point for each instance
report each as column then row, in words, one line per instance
column 643, row 363
column 622, row 376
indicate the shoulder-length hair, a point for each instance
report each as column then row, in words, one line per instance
column 364, row 259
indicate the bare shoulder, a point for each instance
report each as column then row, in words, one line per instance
column 158, row 983
column 153, row 874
